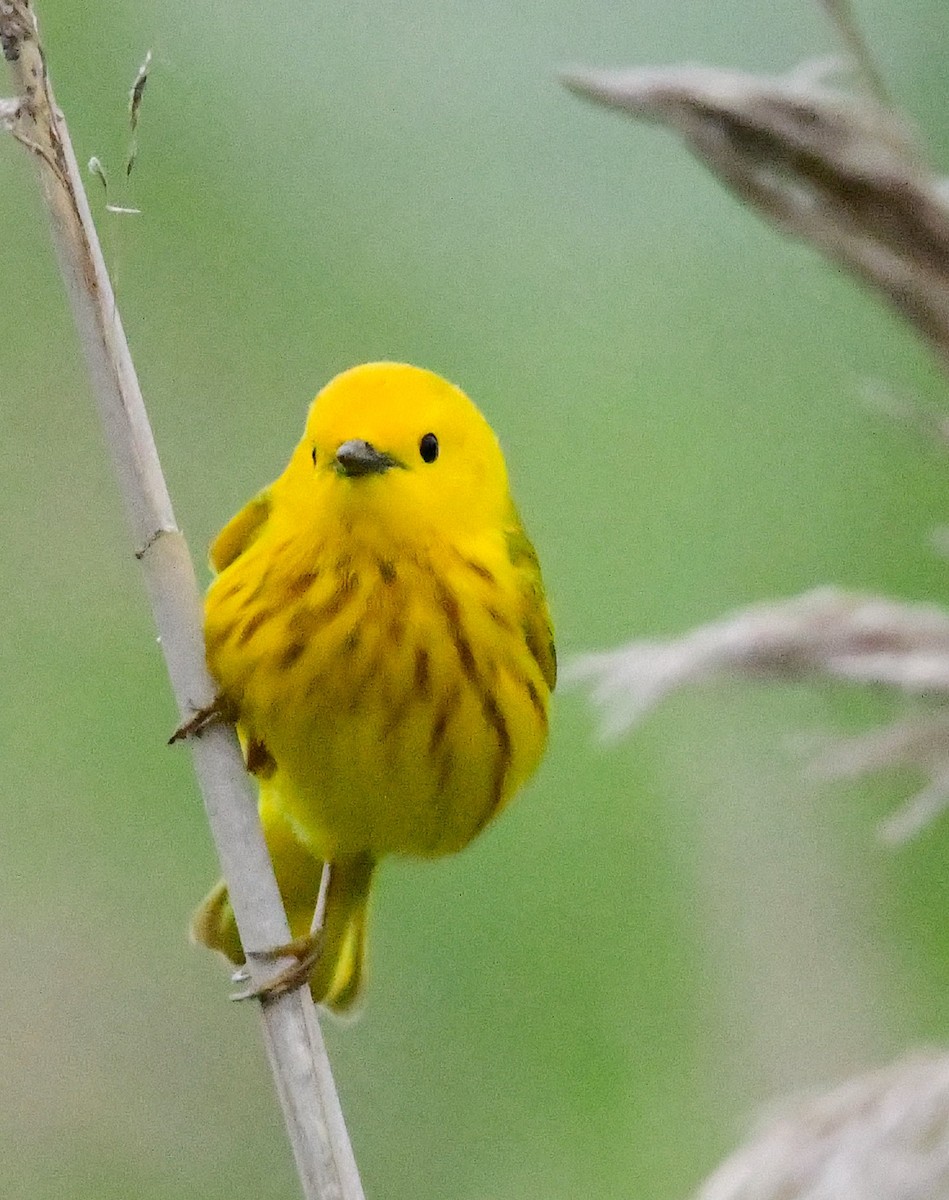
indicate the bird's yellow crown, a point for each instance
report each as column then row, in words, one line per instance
column 439, row 463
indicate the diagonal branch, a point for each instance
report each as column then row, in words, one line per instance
column 844, row 20
column 294, row 1044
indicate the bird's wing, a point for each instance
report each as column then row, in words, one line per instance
column 241, row 531
column 538, row 629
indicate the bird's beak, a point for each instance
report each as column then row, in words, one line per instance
column 357, row 457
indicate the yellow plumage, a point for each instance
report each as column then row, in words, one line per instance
column 378, row 629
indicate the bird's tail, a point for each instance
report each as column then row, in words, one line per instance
column 337, row 976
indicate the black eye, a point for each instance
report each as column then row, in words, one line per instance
column 314, row 456
column 428, row 448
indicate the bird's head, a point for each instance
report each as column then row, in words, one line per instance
column 399, row 446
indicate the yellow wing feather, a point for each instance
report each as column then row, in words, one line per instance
column 538, row 627
column 241, row 531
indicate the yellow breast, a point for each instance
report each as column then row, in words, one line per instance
column 389, row 695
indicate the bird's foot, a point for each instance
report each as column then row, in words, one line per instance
column 203, row 718
column 305, row 951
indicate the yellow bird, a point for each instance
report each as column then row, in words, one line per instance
column 379, row 632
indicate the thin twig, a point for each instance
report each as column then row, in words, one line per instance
column 294, row 1044
column 842, row 17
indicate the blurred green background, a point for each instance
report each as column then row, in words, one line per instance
column 660, row 936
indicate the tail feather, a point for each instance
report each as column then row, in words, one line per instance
column 338, row 974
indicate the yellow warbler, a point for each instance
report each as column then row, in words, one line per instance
column 379, row 632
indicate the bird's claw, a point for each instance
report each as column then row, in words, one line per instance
column 305, row 952
column 202, row 719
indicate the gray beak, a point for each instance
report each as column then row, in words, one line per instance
column 357, row 457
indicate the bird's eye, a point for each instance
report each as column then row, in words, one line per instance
column 428, row 448
column 314, row 456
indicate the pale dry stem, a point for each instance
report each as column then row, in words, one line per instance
column 292, row 1037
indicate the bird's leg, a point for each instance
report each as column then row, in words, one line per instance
column 217, row 711
column 306, row 950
